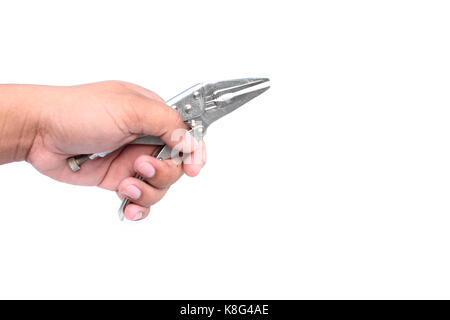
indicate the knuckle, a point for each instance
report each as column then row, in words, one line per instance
column 115, row 85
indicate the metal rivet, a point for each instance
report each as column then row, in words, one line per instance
column 196, row 95
column 187, row 108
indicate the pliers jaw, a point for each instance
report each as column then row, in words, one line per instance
column 226, row 96
column 204, row 103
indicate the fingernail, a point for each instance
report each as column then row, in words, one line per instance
column 132, row 192
column 138, row 216
column 146, row 170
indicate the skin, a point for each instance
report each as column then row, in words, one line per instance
column 45, row 125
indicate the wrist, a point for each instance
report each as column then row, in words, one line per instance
column 19, row 121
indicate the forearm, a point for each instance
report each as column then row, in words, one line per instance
column 19, row 121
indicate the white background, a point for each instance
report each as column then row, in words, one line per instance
column 333, row 184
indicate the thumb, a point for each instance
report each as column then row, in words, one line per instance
column 155, row 118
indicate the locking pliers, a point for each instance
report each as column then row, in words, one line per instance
column 199, row 106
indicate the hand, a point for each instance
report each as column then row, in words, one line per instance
column 99, row 117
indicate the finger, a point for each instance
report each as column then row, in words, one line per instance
column 155, row 118
column 139, row 192
column 159, row 173
column 122, row 166
column 195, row 161
column 135, row 212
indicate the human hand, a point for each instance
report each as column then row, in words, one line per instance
column 103, row 116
